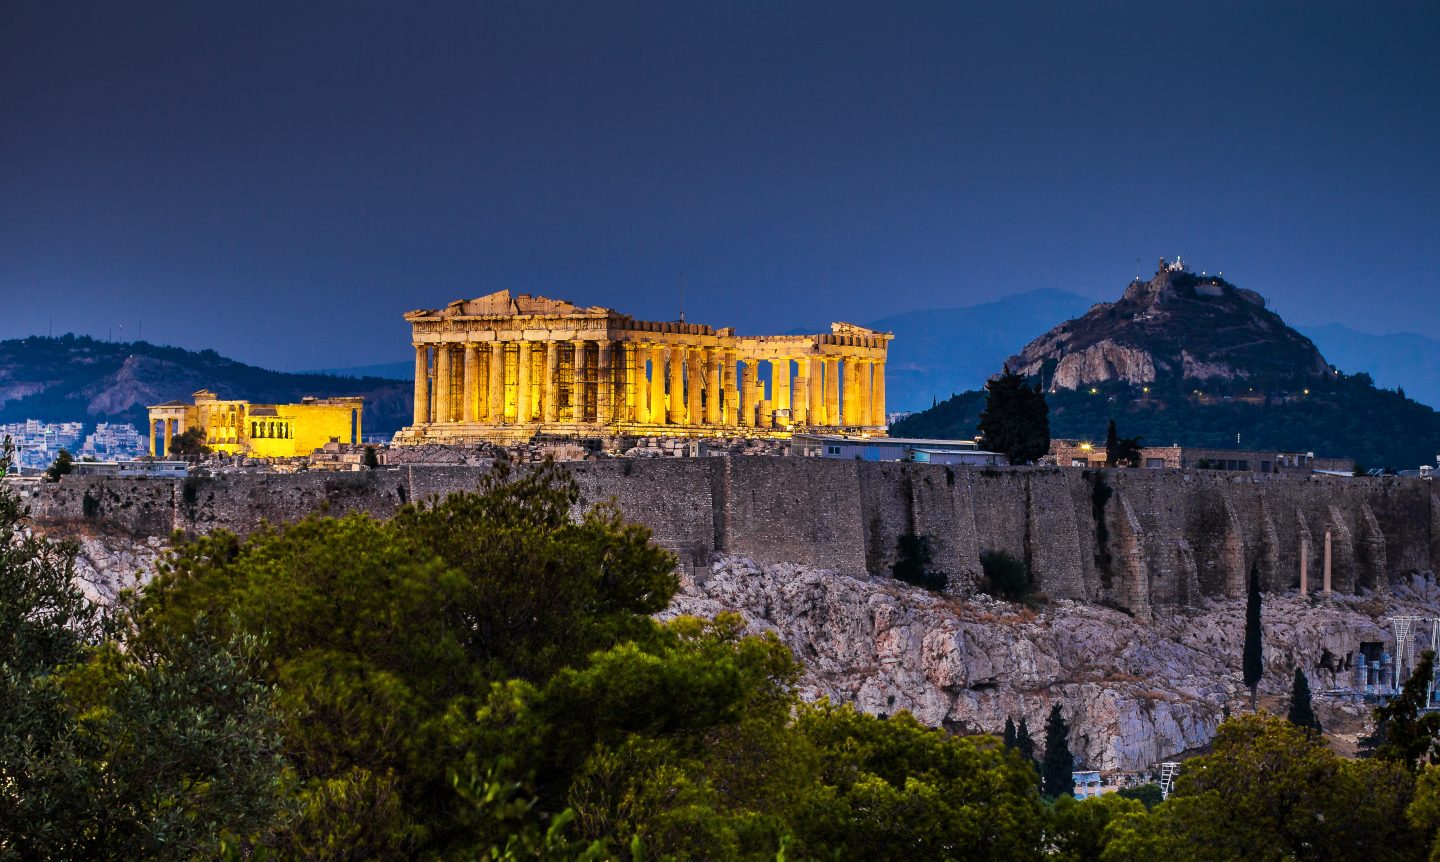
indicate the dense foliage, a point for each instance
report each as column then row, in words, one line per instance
column 481, row 678
column 1015, row 420
column 1252, row 661
column 1006, row 576
column 1344, row 415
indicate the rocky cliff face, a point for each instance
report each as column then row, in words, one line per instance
column 1177, row 326
column 1134, row 692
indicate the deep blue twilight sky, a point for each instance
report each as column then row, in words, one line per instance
column 281, row 181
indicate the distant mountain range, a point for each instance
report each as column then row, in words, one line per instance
column 81, row 379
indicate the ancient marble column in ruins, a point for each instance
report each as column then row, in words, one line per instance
column 677, row 385
column 657, row 383
column 496, row 413
column 851, row 406
column 712, row 386
column 818, row 415
column 551, row 412
column 522, row 384
column 728, row 370
column 750, row 396
column 422, row 389
column 442, row 383
column 799, row 410
column 630, row 405
column 604, row 384
column 577, row 382
column 471, row 382
column 694, row 385
column 832, row 391
column 780, row 384
column 867, row 392
column 877, row 396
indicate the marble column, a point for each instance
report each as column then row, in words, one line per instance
column 677, row 385
column 657, row 384
column 694, row 385
column 630, row 410
column 551, row 412
column 577, row 383
column 780, row 385
column 750, row 395
column 496, row 413
column 713, row 387
column 799, row 409
column 471, row 382
column 422, row 387
column 522, row 385
column 732, row 388
column 818, row 416
column 832, row 392
column 867, row 392
column 877, row 397
column 851, row 404
column 442, row 383
column 604, row 385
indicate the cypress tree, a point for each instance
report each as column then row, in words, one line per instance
column 1016, row 419
column 1302, row 712
column 1112, row 445
column 1252, row 662
column 1057, row 773
column 1023, row 742
column 1009, row 732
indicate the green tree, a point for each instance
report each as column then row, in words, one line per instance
column 370, row 461
column 109, row 749
column 1075, row 829
column 1302, row 711
column 1057, row 771
column 1149, row 795
column 1006, row 576
column 1408, row 732
column 913, row 559
column 63, row 465
column 895, row 789
column 1112, row 444
column 1009, row 737
column 1252, row 660
column 1023, row 742
column 189, row 444
column 1270, row 791
column 7, row 456
column 1016, row 419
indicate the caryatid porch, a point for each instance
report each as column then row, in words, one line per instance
column 505, row 367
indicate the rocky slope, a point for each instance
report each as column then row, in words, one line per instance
column 1177, row 326
column 81, row 379
column 1135, row 693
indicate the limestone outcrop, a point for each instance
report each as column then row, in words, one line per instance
column 1136, row 692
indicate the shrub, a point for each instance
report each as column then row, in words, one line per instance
column 912, row 563
column 1005, row 576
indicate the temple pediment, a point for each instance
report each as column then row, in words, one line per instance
column 503, row 303
column 841, row 328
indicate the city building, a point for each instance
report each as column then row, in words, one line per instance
column 1083, row 453
column 893, row 449
column 112, row 442
column 235, row 427
column 1087, row 783
column 506, row 368
column 38, row 443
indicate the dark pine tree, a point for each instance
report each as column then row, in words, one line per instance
column 1057, row 773
column 1016, row 419
column 1023, row 743
column 1112, row 445
column 1009, row 733
column 1252, row 662
column 1302, row 712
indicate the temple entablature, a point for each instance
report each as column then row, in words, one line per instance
column 505, row 367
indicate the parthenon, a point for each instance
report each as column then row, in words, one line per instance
column 506, row 368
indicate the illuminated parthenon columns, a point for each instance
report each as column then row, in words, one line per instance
column 505, row 368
